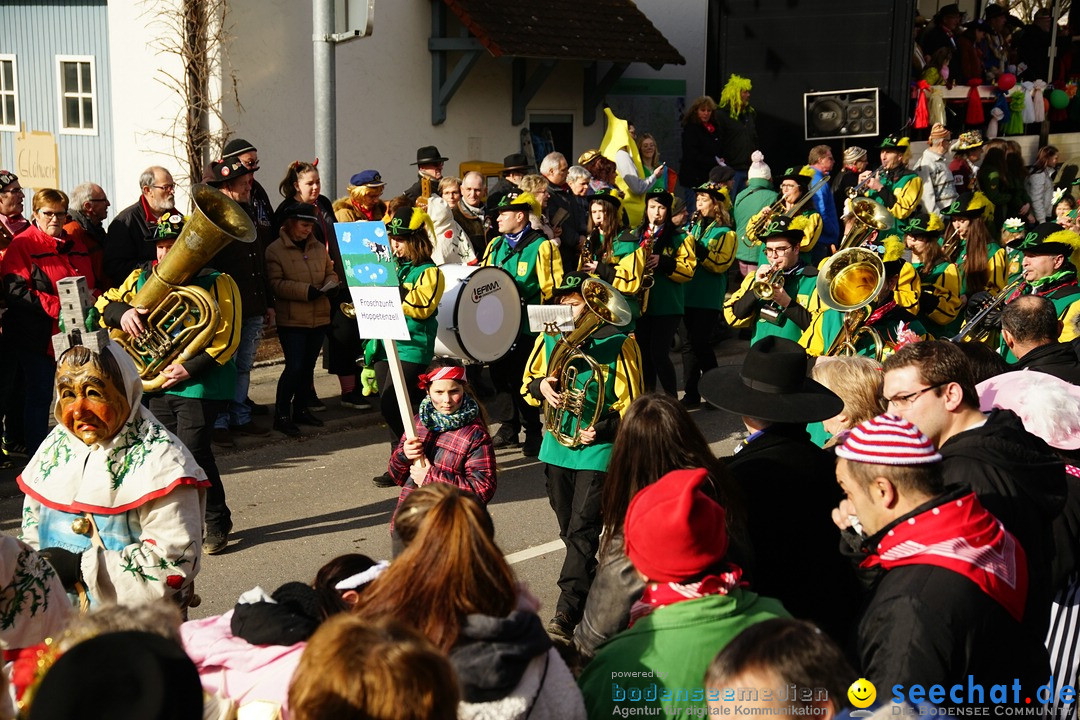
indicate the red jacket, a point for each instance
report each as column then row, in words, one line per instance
column 32, row 265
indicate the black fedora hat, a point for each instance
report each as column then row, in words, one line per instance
column 771, row 385
column 428, row 155
column 516, row 161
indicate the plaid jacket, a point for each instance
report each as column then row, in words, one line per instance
column 464, row 458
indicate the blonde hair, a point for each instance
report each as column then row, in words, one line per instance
column 857, row 380
column 533, row 184
column 353, row 669
column 731, row 95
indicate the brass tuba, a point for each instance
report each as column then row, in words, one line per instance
column 603, row 304
column 850, row 281
column 182, row 319
column 868, row 217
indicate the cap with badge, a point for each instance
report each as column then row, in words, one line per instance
column 168, row 228
column 970, row 205
column 571, row 283
column 223, row 171
column 714, row 190
column 236, row 147
column 1048, row 238
column 369, row 178
column 7, row 177
column 895, row 143
column 588, row 156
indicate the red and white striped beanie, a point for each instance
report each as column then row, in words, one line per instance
column 888, row 440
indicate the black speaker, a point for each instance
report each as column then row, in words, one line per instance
column 841, row 114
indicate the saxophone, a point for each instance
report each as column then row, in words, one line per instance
column 603, row 304
column 183, row 319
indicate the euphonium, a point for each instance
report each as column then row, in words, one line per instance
column 849, row 282
column 603, row 304
column 183, row 319
column 765, row 288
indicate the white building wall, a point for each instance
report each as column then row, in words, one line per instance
column 144, row 109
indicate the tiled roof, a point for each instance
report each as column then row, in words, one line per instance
column 608, row 30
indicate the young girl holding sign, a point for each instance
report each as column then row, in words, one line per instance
column 451, row 434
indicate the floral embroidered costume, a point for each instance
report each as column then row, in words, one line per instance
column 141, row 491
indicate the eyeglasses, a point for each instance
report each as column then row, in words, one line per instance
column 778, row 251
column 166, row 187
column 906, row 401
column 53, row 213
column 13, row 191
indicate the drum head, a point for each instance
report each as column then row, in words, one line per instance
column 486, row 315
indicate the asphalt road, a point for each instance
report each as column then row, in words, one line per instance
column 297, row 503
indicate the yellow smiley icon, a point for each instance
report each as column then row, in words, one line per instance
column 862, row 693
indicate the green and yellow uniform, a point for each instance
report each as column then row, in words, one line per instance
column 677, row 262
column 825, row 328
column 422, row 286
column 900, row 193
column 808, row 222
column 623, row 268
column 619, row 360
column 939, row 303
column 744, row 309
column 534, row 263
column 715, row 246
column 213, row 371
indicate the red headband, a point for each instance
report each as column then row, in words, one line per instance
column 449, row 372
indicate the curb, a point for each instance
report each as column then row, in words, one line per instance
column 338, row 421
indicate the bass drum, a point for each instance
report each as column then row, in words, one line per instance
column 479, row 314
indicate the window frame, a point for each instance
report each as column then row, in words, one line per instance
column 61, row 96
column 4, row 57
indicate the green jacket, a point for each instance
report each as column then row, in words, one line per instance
column 758, row 195
column 677, row 262
column 715, row 248
column 536, row 266
column 678, row 641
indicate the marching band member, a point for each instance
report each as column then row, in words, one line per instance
column 536, row 266
column 714, row 244
column 983, row 264
column 786, row 313
column 670, row 263
column 575, row 475
column 1050, row 272
column 896, row 186
column 422, row 285
column 894, row 323
column 611, row 252
column 197, row 389
column 793, row 187
column 939, row 303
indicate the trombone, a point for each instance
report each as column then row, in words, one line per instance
column 974, row 328
column 778, row 208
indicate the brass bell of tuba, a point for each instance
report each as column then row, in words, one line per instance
column 183, row 319
column 869, row 217
column 849, row 282
column 603, row 304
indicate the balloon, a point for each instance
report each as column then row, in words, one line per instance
column 1059, row 99
column 1046, row 105
column 1006, row 82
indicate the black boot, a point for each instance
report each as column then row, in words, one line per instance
column 283, row 424
column 304, row 416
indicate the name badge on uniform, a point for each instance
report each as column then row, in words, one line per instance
column 523, row 269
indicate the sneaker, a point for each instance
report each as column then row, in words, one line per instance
column 531, row 448
column 222, row 437
column 284, row 425
column 303, row 416
column 506, row 437
column 216, row 540
column 316, row 405
column 383, row 481
column 250, row 428
column 355, row 400
column 256, row 408
column 561, row 628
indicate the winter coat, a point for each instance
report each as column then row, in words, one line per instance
column 1040, row 187
column 32, row 265
column 755, row 197
column 700, row 149
column 738, row 136
column 1021, row 481
column 938, row 184
column 128, row 245
column 508, row 670
column 789, row 488
column 678, row 640
column 930, row 625
column 245, row 263
column 292, row 272
column 1057, row 359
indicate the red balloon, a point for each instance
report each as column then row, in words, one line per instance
column 1006, row 82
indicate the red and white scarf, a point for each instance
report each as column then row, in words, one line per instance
column 657, row 595
column 962, row 536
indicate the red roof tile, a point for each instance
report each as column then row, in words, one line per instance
column 609, row 30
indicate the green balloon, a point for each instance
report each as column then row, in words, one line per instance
column 1059, row 99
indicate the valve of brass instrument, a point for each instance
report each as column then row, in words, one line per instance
column 765, row 288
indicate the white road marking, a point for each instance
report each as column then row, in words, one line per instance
column 535, row 551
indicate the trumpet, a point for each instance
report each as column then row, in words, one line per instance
column 857, row 189
column 765, row 288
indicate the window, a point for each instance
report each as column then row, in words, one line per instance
column 78, row 96
column 9, row 93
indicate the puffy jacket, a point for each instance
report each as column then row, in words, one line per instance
column 292, row 271
column 32, row 265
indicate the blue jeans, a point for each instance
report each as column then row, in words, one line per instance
column 39, row 378
column 238, row 412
